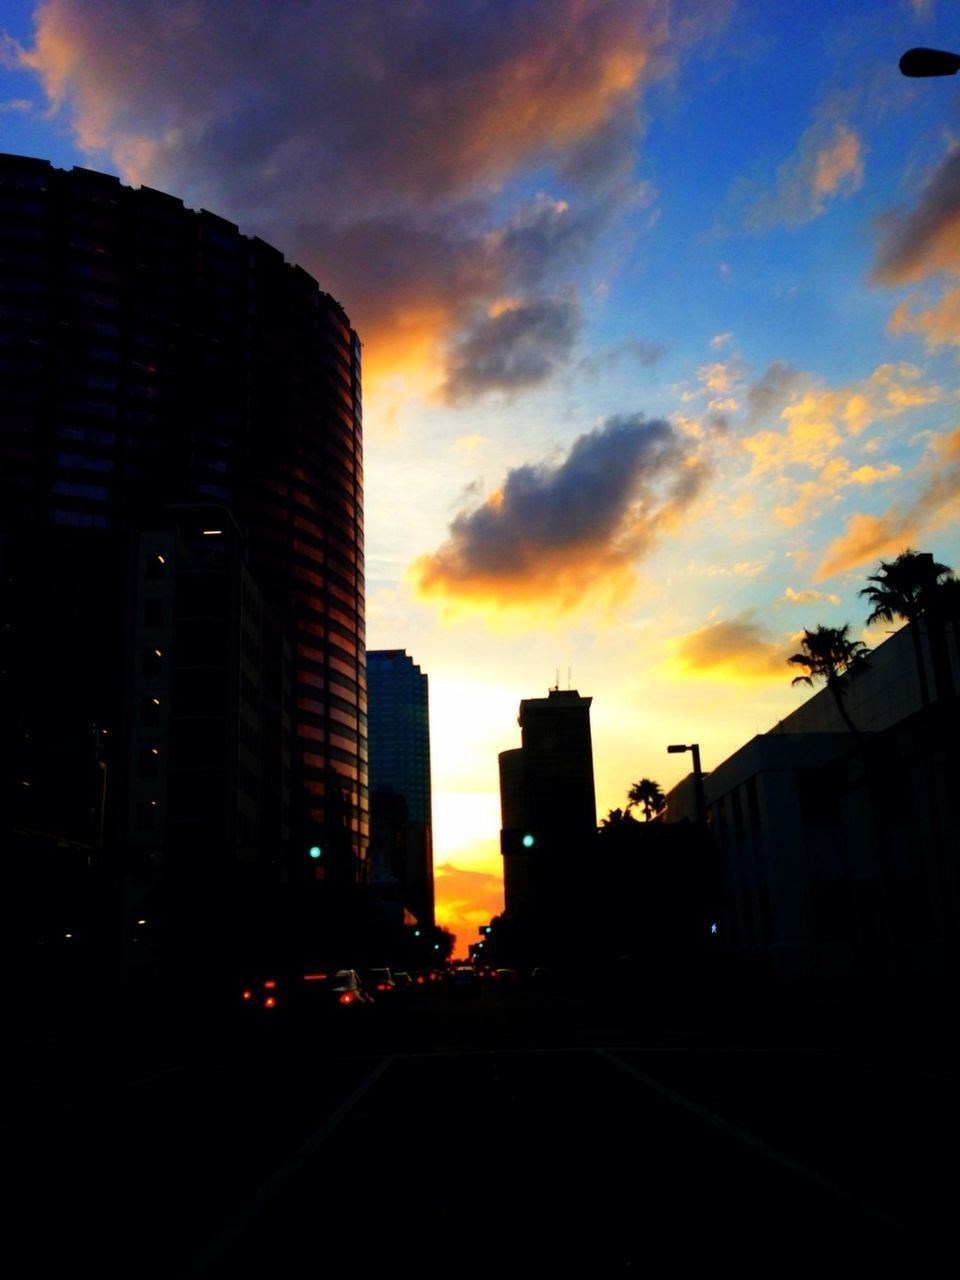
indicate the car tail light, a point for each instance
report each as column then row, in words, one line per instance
column 270, row 1002
column 347, row 997
column 270, row 985
column 383, row 986
column 247, row 995
column 314, row 977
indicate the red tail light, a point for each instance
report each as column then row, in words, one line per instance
column 247, row 995
column 270, row 1002
column 347, row 998
column 270, row 985
column 314, row 977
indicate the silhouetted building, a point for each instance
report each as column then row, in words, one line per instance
column 401, row 845
column 548, row 806
column 154, row 361
column 838, row 858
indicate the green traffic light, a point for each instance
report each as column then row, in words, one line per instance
column 529, row 841
column 315, row 851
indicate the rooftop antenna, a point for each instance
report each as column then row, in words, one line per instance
column 556, row 686
column 569, row 684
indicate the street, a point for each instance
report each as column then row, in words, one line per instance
column 516, row 1131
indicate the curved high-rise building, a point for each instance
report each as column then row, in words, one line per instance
column 155, row 362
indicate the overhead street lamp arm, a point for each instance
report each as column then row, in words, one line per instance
column 929, row 62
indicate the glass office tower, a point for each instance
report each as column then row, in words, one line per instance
column 400, row 788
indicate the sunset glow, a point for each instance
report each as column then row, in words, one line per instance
column 660, row 307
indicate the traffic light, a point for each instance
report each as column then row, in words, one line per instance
column 315, row 852
column 516, row 840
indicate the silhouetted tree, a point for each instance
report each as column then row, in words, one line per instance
column 648, row 795
column 831, row 656
column 616, row 820
column 906, row 588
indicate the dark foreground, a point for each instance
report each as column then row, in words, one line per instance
column 515, row 1132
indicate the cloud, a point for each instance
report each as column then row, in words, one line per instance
column 735, row 649
column 515, row 347
column 558, row 534
column 718, row 378
column 721, row 340
column 809, row 596
column 924, row 241
column 867, row 537
column 870, row 536
column 873, row 475
column 767, row 397
column 376, row 143
column 465, row 900
column 819, row 419
column 470, row 443
column 644, row 353
column 938, row 324
column 828, row 163
column 635, row 350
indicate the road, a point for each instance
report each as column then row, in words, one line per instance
column 612, row 1136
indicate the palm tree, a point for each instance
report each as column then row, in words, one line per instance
column 830, row 655
column 906, row 588
column 617, row 820
column 648, row 795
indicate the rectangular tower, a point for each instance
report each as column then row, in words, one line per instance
column 548, row 804
column 400, row 796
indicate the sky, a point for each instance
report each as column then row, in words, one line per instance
column 660, row 305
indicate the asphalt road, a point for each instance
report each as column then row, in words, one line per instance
column 605, row 1136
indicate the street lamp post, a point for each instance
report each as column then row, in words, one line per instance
column 694, row 749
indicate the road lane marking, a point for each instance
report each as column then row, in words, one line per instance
column 97, row 1096
column 877, row 1064
column 226, row 1236
column 829, row 1186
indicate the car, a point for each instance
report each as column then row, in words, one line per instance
column 341, row 988
column 308, row 989
column 544, row 977
column 381, row 984
column 266, row 995
column 463, row 980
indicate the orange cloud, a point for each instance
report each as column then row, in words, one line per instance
column 465, row 900
column 926, row 240
column 868, row 536
column 809, row 596
column 370, row 142
column 562, row 535
column 939, row 325
column 828, row 163
column 839, row 163
column 738, row 649
column 818, row 419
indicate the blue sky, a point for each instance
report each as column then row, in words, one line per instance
column 660, row 316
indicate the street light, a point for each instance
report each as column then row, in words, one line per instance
column 694, row 749
column 929, row 62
